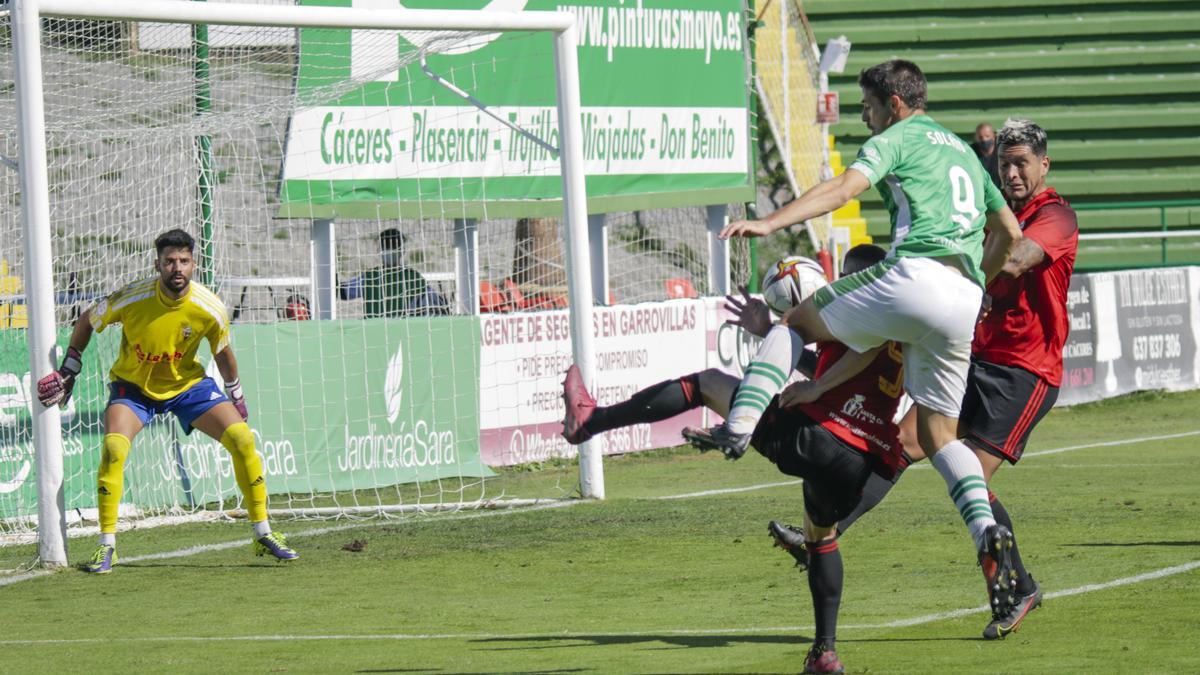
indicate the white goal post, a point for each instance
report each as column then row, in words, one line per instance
column 26, row 16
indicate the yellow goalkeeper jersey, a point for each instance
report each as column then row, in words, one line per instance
column 160, row 336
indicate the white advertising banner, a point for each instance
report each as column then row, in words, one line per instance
column 524, row 357
column 1130, row 331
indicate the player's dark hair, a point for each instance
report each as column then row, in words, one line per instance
column 176, row 238
column 896, row 77
column 1019, row 131
column 391, row 239
column 865, row 255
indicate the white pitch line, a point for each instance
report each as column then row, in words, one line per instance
column 1108, row 444
column 1085, row 446
column 208, row 548
column 1089, row 588
column 26, row 576
column 726, row 491
column 584, row 635
column 194, row 550
column 926, row 465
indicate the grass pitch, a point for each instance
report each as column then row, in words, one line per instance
column 643, row 584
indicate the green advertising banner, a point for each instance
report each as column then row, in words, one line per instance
column 334, row 405
column 665, row 99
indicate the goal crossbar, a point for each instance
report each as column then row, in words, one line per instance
column 306, row 16
column 35, row 216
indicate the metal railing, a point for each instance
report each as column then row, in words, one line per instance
column 1164, row 233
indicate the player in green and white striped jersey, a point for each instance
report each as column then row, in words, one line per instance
column 925, row 295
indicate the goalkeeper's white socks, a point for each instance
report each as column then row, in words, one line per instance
column 764, row 379
column 108, row 539
column 262, row 528
column 964, row 476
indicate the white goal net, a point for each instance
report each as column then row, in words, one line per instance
column 367, row 402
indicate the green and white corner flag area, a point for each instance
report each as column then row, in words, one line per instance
column 428, row 124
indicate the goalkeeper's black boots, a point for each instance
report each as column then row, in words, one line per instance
column 1003, row 624
column 790, row 539
column 998, row 569
column 732, row 445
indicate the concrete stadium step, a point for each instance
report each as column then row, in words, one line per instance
column 1073, row 152
column 1030, row 58
column 1176, row 118
column 1052, row 89
column 818, row 9
column 1089, row 221
column 1073, row 22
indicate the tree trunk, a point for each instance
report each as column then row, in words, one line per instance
column 538, row 258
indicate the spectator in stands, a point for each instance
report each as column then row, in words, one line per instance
column 985, row 148
column 393, row 290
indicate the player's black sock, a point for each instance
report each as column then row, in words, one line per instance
column 656, row 402
column 825, row 583
column 1024, row 583
column 874, row 491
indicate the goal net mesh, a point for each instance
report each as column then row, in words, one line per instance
column 376, row 412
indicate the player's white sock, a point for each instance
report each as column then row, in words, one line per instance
column 263, row 527
column 765, row 377
column 108, row 539
column 964, row 476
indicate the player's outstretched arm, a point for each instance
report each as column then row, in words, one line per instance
column 1003, row 234
column 820, row 199
column 227, row 366
column 56, row 387
column 1026, row 255
column 852, row 363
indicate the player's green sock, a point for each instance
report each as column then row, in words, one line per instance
column 964, row 476
column 764, row 378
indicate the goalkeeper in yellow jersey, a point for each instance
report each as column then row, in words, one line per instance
column 163, row 320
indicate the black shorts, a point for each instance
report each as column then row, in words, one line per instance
column 1002, row 406
column 834, row 473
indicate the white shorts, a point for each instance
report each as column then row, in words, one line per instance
column 927, row 307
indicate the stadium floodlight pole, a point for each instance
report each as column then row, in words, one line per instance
column 39, row 277
column 562, row 24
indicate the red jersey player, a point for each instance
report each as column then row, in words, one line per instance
column 1016, row 364
column 1016, row 361
column 834, row 431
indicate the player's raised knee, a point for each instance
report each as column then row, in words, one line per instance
column 238, row 439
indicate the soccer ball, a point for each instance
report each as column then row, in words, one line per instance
column 790, row 281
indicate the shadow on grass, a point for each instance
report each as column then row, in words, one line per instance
column 1133, row 543
column 673, row 641
column 400, row 670
column 915, row 639
column 489, row 672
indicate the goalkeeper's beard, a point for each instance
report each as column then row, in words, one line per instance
column 176, row 287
